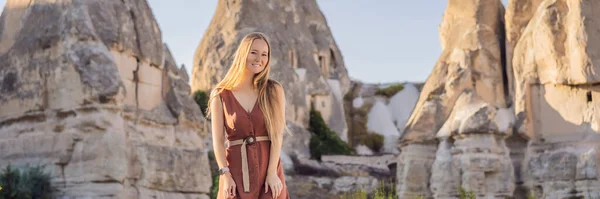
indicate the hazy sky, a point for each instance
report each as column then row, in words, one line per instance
column 380, row 40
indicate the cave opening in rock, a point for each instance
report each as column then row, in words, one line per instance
column 589, row 96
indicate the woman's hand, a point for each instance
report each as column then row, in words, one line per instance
column 228, row 185
column 274, row 183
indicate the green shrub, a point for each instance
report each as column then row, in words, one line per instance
column 360, row 194
column 201, row 99
column 386, row 191
column 373, row 140
column 464, row 194
column 390, row 90
column 24, row 183
column 325, row 141
column 357, row 124
column 214, row 190
column 348, row 115
column 356, row 118
column 383, row 191
column 212, row 161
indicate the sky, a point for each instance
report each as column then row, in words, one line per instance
column 381, row 41
column 386, row 41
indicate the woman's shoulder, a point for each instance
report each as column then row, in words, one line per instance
column 274, row 83
column 275, row 88
column 215, row 91
column 218, row 93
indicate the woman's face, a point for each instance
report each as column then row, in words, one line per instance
column 258, row 56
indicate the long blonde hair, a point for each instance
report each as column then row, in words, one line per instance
column 267, row 99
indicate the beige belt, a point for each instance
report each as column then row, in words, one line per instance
column 247, row 141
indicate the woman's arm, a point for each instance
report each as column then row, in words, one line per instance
column 218, row 137
column 273, row 181
column 276, row 144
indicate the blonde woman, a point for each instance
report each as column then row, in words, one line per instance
column 247, row 109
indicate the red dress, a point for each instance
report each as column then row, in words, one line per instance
column 240, row 124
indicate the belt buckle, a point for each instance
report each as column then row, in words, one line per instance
column 250, row 140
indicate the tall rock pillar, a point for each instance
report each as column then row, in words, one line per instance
column 461, row 119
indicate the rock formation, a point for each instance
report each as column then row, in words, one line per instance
column 339, row 176
column 509, row 122
column 461, row 112
column 517, row 16
column 89, row 91
column 305, row 57
column 556, row 64
column 370, row 110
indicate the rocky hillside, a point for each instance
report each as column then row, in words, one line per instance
column 90, row 92
column 511, row 107
column 377, row 114
column 305, row 57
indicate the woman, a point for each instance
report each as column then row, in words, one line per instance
column 249, row 108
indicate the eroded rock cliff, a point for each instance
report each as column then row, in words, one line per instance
column 462, row 111
column 305, row 57
column 556, row 66
column 90, row 91
column 508, row 121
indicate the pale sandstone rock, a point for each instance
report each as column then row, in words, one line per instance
column 347, row 184
column 90, row 92
column 551, row 82
column 177, row 92
column 381, row 167
column 414, row 170
column 74, row 43
column 333, row 186
column 471, row 60
column 296, row 143
column 402, row 104
column 326, row 187
column 380, row 114
column 295, row 146
column 92, row 151
column 476, row 158
column 379, row 162
column 463, row 98
column 310, row 167
column 518, row 14
column 305, row 57
column 517, row 147
column 363, row 150
column 563, row 113
column 562, row 154
column 287, row 162
column 555, row 97
column 336, row 119
column 472, row 115
column 445, row 176
column 563, row 172
column 358, row 102
column 307, row 187
column 565, row 49
column 564, row 52
column 380, row 121
column 184, row 74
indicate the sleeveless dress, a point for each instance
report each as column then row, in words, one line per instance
column 240, row 124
